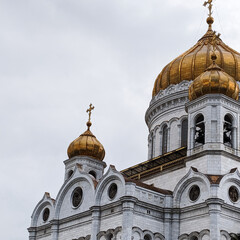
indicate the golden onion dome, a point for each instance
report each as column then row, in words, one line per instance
column 214, row 80
column 87, row 144
column 193, row 62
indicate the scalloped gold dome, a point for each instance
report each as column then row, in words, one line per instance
column 193, row 62
column 214, row 80
column 86, row 145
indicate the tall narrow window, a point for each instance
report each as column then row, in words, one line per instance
column 152, row 146
column 184, row 133
column 199, row 130
column 164, row 139
column 227, row 131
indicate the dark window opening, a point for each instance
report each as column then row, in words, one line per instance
column 164, row 139
column 194, row 238
column 110, row 236
column 227, row 131
column 199, row 131
column 184, row 133
column 147, row 237
column 92, row 173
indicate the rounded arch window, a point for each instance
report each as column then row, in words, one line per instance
column 194, row 193
column 199, row 130
column 227, row 130
column 77, row 196
column 164, row 139
column 233, row 194
column 70, row 173
column 112, row 191
column 147, row 237
column 184, row 133
column 194, row 238
column 110, row 236
column 93, row 173
column 46, row 214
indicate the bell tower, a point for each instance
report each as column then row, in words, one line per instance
column 213, row 115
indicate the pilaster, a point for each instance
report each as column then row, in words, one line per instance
column 96, row 214
column 215, row 206
column 128, row 204
column 54, row 229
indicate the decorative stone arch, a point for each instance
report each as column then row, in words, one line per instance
column 101, row 235
column 46, row 201
column 183, row 237
column 225, row 234
column 159, row 236
column 111, row 175
column 232, row 177
column 172, row 120
column 204, row 233
column 148, row 233
column 193, row 235
column 110, row 232
column 138, row 231
column 192, row 176
column 109, row 235
column 78, row 176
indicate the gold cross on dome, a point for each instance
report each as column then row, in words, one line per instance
column 89, row 111
column 210, row 5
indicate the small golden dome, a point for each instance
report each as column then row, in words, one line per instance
column 87, row 144
column 214, row 80
column 193, row 62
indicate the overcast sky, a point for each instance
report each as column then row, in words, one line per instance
column 57, row 56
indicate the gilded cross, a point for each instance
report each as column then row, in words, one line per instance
column 89, row 111
column 210, row 5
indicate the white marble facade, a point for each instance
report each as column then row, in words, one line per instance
column 143, row 210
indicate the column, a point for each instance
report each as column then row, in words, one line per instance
column 175, row 231
column 128, row 204
column 215, row 206
column 54, row 229
column 96, row 214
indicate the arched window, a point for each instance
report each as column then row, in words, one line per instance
column 199, row 130
column 184, row 133
column 152, row 146
column 92, row 173
column 110, row 236
column 147, row 237
column 227, row 131
column 194, row 238
column 164, row 139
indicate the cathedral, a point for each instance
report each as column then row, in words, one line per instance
column 188, row 189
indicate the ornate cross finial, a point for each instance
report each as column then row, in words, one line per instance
column 89, row 111
column 210, row 5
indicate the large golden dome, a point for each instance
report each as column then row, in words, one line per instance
column 193, row 62
column 213, row 80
